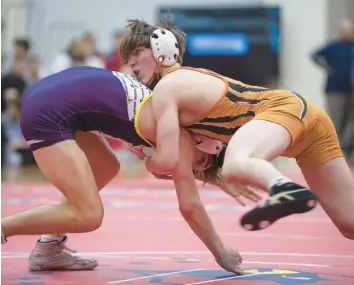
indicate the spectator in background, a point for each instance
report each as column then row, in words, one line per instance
column 20, row 52
column 11, row 127
column 113, row 59
column 4, row 142
column 78, row 53
column 94, row 57
column 14, row 79
column 337, row 58
column 35, row 71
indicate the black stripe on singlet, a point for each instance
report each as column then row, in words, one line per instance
column 304, row 104
column 215, row 129
column 243, row 89
column 228, row 119
column 237, row 99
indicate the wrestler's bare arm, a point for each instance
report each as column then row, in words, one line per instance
column 189, row 201
column 165, row 110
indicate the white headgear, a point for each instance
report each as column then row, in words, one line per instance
column 206, row 144
column 164, row 47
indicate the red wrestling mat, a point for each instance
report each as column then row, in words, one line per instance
column 144, row 240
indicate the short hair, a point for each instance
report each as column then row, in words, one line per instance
column 139, row 35
column 23, row 43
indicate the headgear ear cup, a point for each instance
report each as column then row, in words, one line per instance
column 164, row 47
column 208, row 145
column 165, row 50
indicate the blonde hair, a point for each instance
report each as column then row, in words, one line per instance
column 139, row 35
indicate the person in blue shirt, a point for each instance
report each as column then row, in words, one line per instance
column 337, row 59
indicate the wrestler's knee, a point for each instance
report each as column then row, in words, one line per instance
column 89, row 219
column 346, row 228
column 234, row 169
column 348, row 235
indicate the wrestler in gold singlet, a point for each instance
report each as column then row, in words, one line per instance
column 198, row 101
column 314, row 139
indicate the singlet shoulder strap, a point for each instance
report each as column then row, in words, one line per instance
column 136, row 120
column 174, row 68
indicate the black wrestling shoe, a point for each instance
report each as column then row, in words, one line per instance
column 284, row 200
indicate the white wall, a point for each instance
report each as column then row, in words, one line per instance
column 338, row 10
column 14, row 15
column 350, row 9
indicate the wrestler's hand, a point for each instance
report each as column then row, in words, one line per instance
column 230, row 260
column 238, row 191
column 153, row 165
column 162, row 176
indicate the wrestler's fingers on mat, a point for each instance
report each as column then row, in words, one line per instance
column 252, row 195
column 238, row 199
column 238, row 270
column 237, row 191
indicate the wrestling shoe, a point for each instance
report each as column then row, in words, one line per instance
column 284, row 200
column 55, row 256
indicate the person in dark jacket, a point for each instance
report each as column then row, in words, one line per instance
column 337, row 58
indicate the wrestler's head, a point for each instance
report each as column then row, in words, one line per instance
column 202, row 160
column 150, row 49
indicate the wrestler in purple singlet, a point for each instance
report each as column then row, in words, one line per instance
column 81, row 99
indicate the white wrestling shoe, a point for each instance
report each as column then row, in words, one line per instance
column 55, row 256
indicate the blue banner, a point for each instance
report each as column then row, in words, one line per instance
column 217, row 44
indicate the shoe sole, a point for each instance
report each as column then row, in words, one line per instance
column 261, row 218
column 88, row 267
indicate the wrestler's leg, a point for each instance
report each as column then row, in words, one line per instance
column 103, row 162
column 105, row 167
column 250, row 150
column 328, row 175
column 333, row 184
column 65, row 165
column 247, row 161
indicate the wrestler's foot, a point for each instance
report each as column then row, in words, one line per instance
column 55, row 256
column 284, row 200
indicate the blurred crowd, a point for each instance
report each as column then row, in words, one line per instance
column 22, row 68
